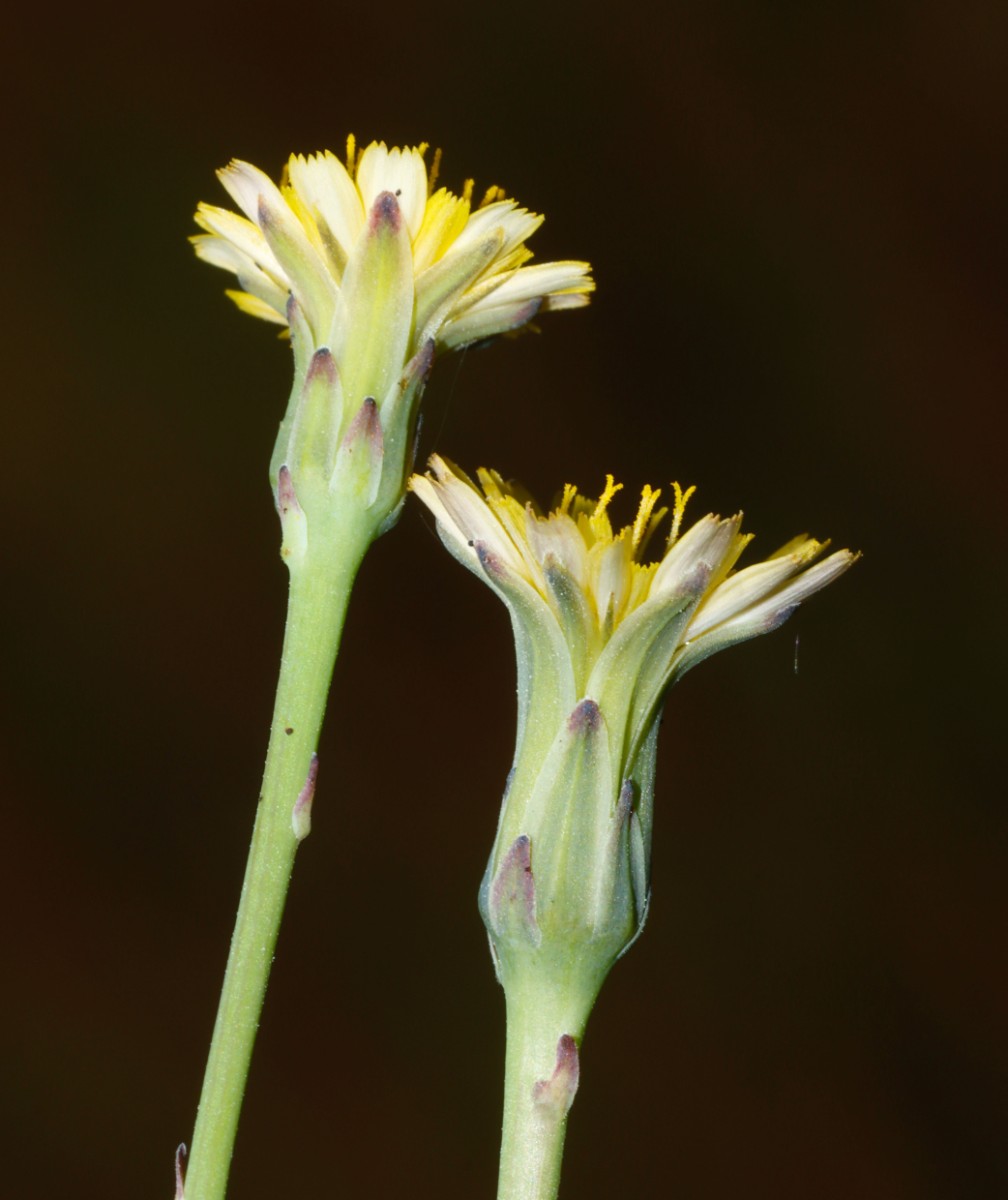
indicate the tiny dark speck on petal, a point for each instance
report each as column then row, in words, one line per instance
column 289, row 730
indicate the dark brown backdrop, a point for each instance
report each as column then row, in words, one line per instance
column 796, row 216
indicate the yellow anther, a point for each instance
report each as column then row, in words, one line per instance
column 599, row 522
column 678, row 508
column 569, row 495
column 648, row 499
column 467, row 188
column 351, row 154
column 435, row 169
column 611, row 488
column 491, row 195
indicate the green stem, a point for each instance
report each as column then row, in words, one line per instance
column 539, row 1084
column 319, row 593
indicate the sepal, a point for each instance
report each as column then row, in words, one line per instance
column 180, row 1157
column 399, row 411
column 301, row 262
column 439, row 287
column 576, row 618
column 293, row 522
column 360, row 457
column 303, row 346
column 401, row 403
column 511, row 901
column 317, row 416
column 374, row 315
column 480, row 324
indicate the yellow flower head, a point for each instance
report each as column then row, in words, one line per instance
column 373, row 272
column 613, row 620
column 469, row 274
column 600, row 634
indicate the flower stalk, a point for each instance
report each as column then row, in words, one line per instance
column 542, row 1067
column 319, row 593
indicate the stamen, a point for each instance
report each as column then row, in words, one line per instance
column 599, row 521
column 467, row 188
column 491, row 195
column 648, row 499
column 351, row 154
column 678, row 509
column 569, row 495
column 611, row 488
column 435, row 169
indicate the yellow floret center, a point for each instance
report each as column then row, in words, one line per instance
column 592, row 517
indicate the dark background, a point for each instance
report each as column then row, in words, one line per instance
column 796, row 214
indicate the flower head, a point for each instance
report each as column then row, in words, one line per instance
column 601, row 634
column 467, row 265
column 373, row 272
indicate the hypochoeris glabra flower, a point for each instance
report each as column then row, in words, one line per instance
column 469, row 273
column 374, row 273
column 601, row 633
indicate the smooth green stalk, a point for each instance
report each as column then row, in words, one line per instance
column 319, row 593
column 540, row 1081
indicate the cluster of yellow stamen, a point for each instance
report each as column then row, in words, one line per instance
column 606, row 563
column 592, row 517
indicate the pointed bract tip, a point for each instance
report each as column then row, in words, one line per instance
column 365, row 427
column 554, row 1096
column 696, row 580
column 287, row 500
column 301, row 814
column 489, row 561
column 322, row 366
column 180, row 1157
column 385, row 212
column 586, row 718
column 512, row 893
column 567, row 1055
column 419, row 366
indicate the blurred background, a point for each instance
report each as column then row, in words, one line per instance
column 796, row 217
